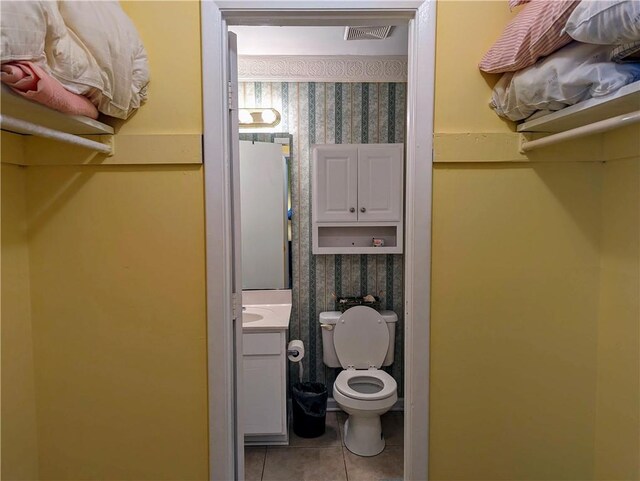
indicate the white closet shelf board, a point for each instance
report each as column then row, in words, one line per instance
column 13, row 105
column 622, row 101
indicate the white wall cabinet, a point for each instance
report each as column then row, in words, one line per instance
column 380, row 183
column 357, row 195
column 265, row 387
column 336, row 183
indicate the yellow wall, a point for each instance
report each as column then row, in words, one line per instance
column 618, row 396
column 170, row 31
column 515, row 280
column 465, row 31
column 117, row 281
column 19, row 436
column 534, row 285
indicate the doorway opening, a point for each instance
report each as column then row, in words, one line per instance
column 226, row 444
column 322, row 89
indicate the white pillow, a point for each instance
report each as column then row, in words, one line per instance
column 23, row 28
column 605, row 22
column 91, row 47
column 574, row 73
column 114, row 42
column 35, row 31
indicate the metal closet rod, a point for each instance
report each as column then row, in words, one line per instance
column 7, row 122
column 590, row 129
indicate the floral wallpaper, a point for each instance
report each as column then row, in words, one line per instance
column 328, row 113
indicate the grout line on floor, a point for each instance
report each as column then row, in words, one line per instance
column 340, row 428
column 344, row 460
column 264, row 463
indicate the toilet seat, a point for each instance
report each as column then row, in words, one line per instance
column 361, row 338
column 345, row 380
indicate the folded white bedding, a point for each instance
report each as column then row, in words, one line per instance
column 91, row 47
column 111, row 37
column 572, row 74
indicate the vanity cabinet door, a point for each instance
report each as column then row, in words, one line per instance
column 380, row 183
column 263, row 395
column 335, row 178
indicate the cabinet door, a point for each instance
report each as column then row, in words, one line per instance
column 263, row 395
column 335, row 181
column 380, row 182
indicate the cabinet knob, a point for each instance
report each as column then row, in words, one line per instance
column 362, row 209
column 353, row 209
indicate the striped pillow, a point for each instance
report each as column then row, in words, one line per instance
column 534, row 33
column 514, row 3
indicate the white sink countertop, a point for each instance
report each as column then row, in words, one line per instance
column 266, row 310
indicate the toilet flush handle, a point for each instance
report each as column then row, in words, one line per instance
column 328, row 327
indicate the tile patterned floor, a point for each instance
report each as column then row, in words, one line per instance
column 326, row 458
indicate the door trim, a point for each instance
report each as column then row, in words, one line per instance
column 417, row 260
column 418, row 185
column 218, row 245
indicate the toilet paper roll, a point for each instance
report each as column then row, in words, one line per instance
column 295, row 350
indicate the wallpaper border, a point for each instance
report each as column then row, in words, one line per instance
column 322, row 68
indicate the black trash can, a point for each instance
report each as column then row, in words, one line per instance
column 309, row 409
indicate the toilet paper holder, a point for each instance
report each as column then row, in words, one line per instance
column 295, row 353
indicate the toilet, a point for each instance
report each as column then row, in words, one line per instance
column 361, row 341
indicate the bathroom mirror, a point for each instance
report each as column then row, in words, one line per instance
column 264, row 204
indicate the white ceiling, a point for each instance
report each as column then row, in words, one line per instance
column 315, row 41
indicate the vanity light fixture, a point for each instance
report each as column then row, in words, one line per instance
column 258, row 117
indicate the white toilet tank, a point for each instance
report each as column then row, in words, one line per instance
column 328, row 321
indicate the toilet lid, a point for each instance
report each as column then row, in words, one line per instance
column 361, row 338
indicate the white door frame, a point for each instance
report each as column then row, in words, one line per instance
column 417, row 254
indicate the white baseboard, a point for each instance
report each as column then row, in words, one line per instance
column 332, row 405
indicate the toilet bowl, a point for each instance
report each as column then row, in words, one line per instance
column 364, row 395
column 361, row 340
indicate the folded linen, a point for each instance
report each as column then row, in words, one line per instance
column 577, row 72
column 33, row 83
column 92, row 48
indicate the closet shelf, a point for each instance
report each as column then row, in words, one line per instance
column 13, row 105
column 623, row 101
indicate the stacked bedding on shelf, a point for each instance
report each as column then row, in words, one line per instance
column 556, row 53
column 75, row 57
column 33, row 83
column 577, row 72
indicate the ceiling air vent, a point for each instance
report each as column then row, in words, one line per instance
column 367, row 33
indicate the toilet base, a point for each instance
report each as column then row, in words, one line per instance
column 363, row 435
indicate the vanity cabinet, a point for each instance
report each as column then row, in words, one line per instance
column 357, row 195
column 265, row 387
